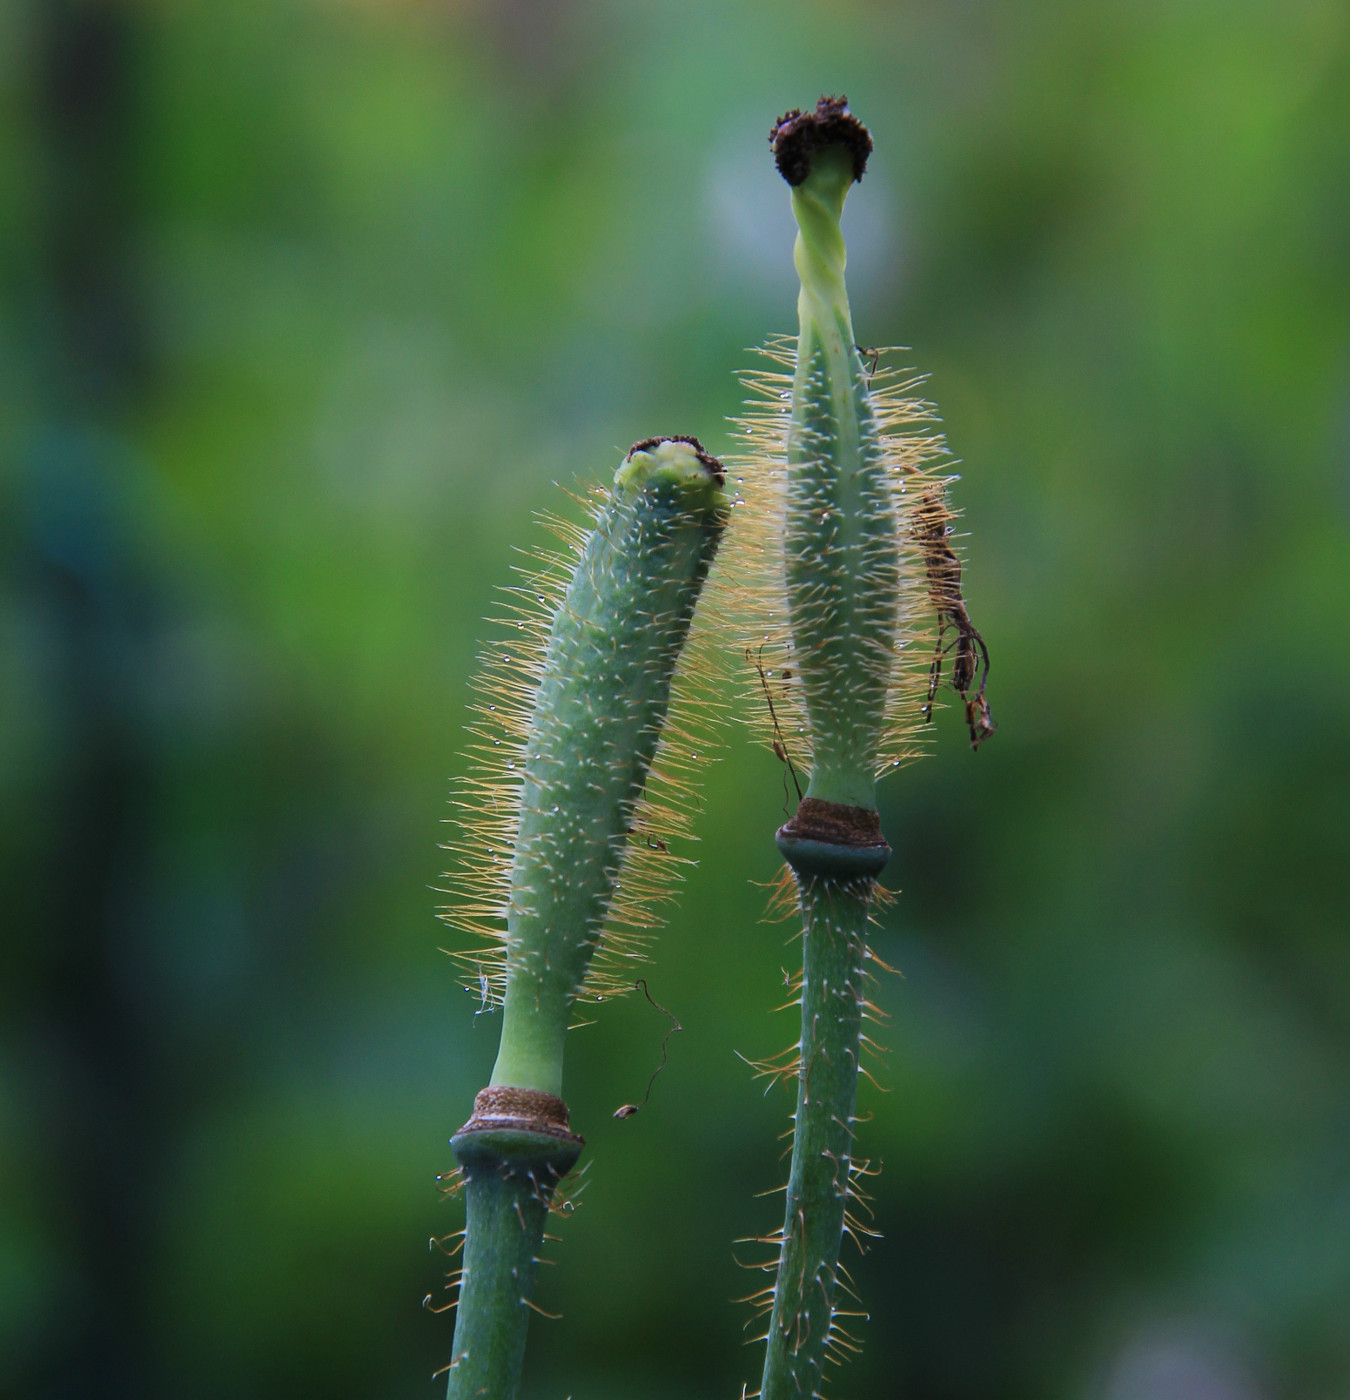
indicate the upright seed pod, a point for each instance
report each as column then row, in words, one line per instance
column 833, row 482
column 559, row 836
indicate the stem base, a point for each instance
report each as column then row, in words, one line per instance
column 514, row 1150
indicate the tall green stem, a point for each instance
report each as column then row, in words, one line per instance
column 598, row 709
column 842, row 562
column 510, row 1173
column 842, row 574
column 802, row 1325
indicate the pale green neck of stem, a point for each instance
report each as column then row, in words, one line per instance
column 534, row 1028
column 819, row 253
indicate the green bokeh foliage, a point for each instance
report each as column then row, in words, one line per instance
column 303, row 306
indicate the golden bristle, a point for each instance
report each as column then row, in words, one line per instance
column 664, row 817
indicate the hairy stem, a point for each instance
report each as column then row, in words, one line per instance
column 802, row 1325
column 598, row 713
column 842, row 560
column 512, row 1164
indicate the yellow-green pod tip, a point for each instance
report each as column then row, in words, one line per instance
column 681, row 462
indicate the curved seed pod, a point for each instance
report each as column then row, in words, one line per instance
column 839, row 466
column 584, row 717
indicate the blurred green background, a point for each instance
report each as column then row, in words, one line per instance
column 304, row 306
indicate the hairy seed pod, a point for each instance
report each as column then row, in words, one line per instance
column 842, row 560
column 598, row 716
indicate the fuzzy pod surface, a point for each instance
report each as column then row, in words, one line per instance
column 598, row 713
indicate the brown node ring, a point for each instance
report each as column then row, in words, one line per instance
column 518, row 1132
column 834, row 839
column 517, row 1136
column 500, row 1108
